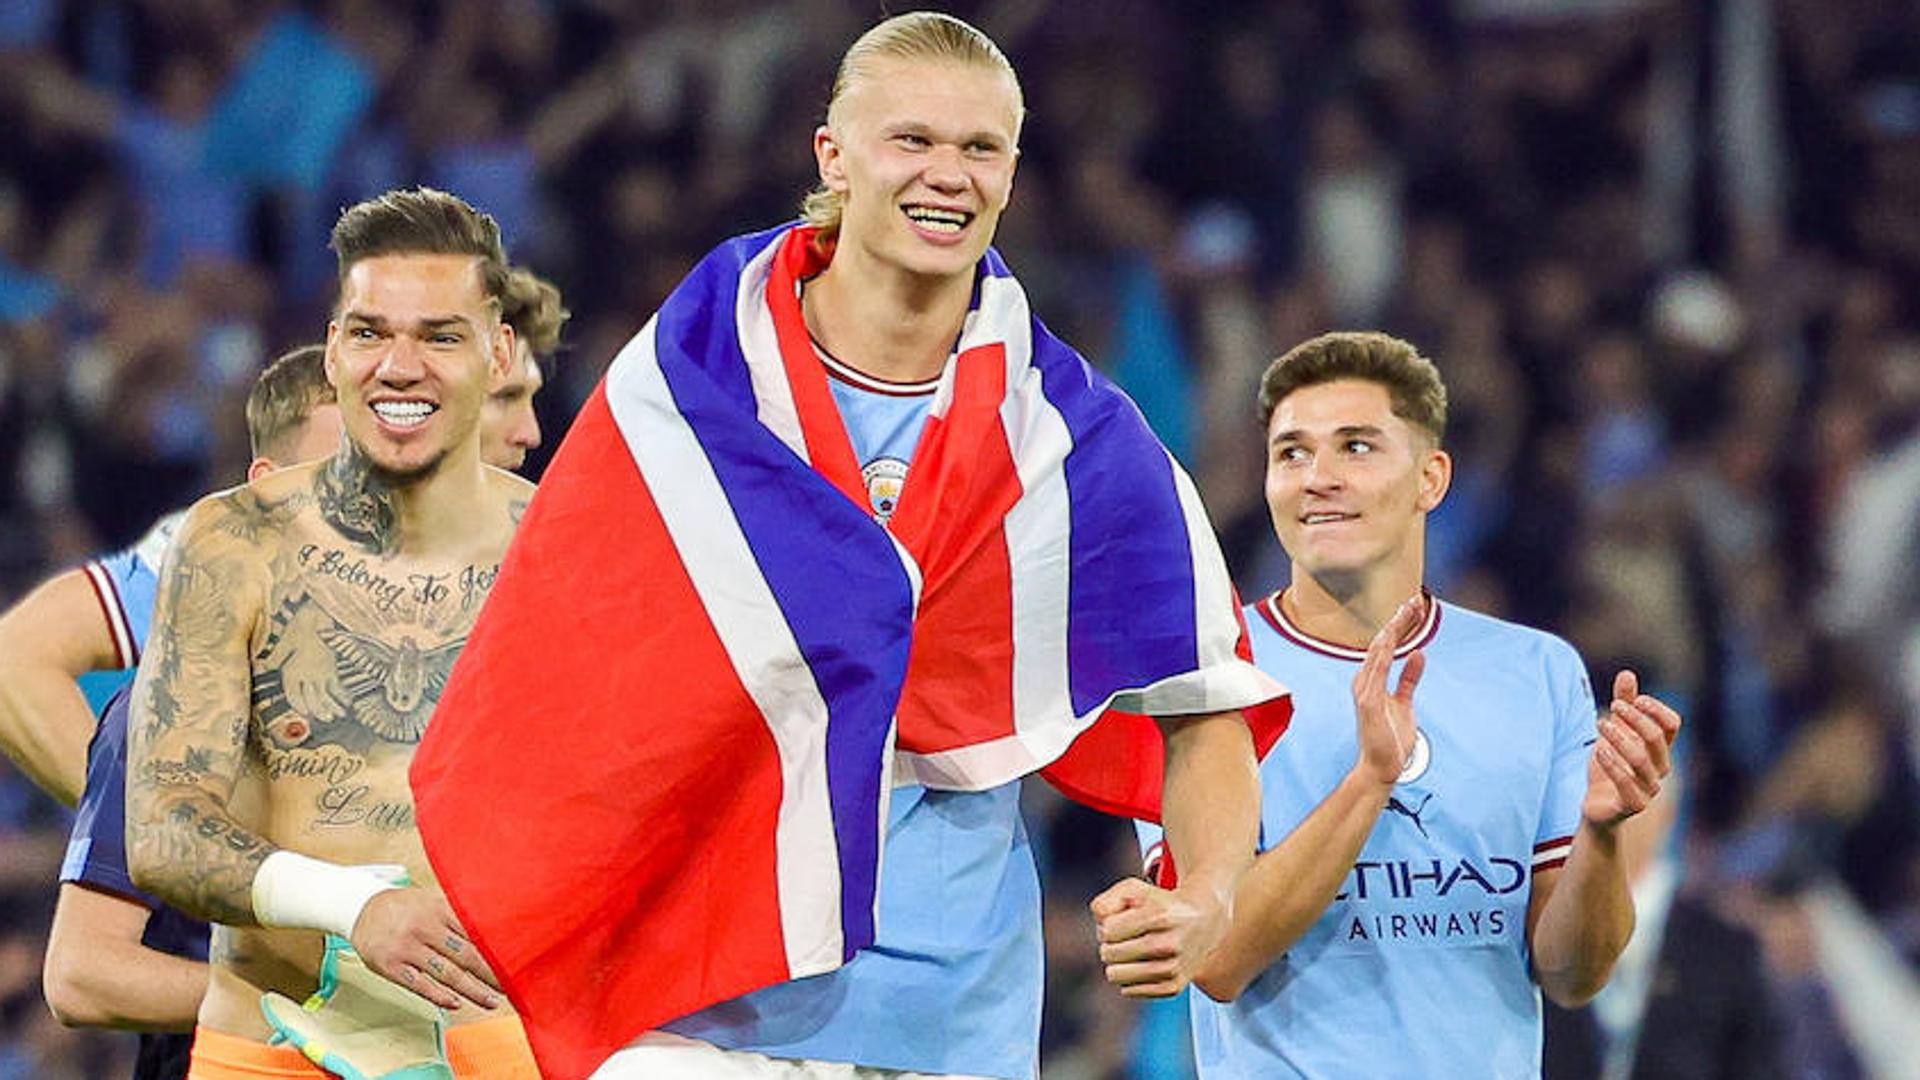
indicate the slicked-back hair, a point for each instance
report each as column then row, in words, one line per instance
column 531, row 305
column 917, row 35
column 1413, row 384
column 283, row 397
column 420, row 221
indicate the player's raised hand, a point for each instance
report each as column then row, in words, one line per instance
column 1632, row 755
column 410, row 936
column 1386, row 723
column 1153, row 940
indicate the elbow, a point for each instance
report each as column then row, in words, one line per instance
column 1221, row 980
column 67, row 995
column 1573, row 989
column 150, row 873
column 1571, row 997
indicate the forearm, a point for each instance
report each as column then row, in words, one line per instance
column 1585, row 920
column 1292, row 883
column 99, row 977
column 44, row 728
column 1210, row 802
column 185, row 848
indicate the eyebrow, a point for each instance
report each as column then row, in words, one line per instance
column 1345, row 431
column 915, row 127
column 437, row 322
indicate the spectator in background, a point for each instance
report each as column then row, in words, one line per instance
column 509, row 425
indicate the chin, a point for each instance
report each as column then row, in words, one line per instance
column 916, row 256
column 404, row 470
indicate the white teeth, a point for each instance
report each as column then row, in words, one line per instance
column 938, row 220
column 403, row 413
column 1322, row 519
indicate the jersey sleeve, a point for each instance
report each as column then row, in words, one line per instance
column 126, row 584
column 97, row 849
column 1575, row 728
column 112, row 578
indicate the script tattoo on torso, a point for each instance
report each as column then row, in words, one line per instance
column 353, row 662
column 296, row 658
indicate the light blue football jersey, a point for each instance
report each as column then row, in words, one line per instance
column 953, row 981
column 126, row 584
column 1420, row 966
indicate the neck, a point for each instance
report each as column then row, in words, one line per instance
column 888, row 323
column 384, row 515
column 1348, row 609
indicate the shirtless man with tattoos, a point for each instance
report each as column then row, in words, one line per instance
column 305, row 626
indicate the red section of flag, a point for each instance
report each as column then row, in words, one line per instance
column 633, row 830
column 952, row 518
column 1120, row 763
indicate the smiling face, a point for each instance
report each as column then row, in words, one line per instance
column 923, row 153
column 1350, row 484
column 414, row 350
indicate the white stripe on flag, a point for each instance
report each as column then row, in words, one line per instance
column 753, row 320
column 1223, row 680
column 1039, row 554
column 1037, row 530
column 755, row 635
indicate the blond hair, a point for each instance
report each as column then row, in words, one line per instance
column 917, row 35
column 531, row 305
column 283, row 397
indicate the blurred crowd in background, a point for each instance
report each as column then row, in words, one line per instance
column 1666, row 254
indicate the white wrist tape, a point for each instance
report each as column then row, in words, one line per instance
column 293, row 891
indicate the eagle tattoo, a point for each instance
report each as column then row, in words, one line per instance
column 391, row 689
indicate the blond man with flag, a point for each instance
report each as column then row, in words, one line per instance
column 845, row 545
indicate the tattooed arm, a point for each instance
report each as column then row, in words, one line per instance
column 187, row 735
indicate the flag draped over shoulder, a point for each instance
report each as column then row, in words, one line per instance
column 658, row 776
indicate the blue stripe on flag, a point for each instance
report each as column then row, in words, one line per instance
column 1131, row 606
column 846, row 598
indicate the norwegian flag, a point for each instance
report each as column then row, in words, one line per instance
column 658, row 776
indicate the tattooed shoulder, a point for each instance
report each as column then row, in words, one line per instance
column 251, row 514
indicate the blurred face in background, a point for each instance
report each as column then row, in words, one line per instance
column 508, row 426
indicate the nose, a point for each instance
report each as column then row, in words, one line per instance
column 401, row 365
column 946, row 171
column 526, row 433
column 1322, row 473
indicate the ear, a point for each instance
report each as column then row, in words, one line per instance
column 259, row 468
column 331, row 363
column 827, row 155
column 501, row 367
column 1436, row 476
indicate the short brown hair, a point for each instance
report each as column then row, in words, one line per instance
column 282, row 398
column 421, row 221
column 1413, row 384
column 531, row 305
